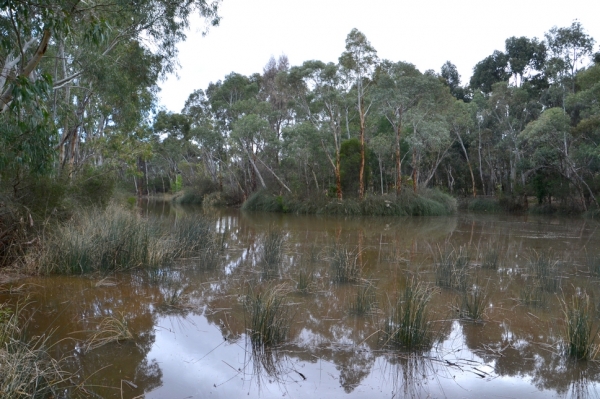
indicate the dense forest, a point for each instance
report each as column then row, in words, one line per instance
column 79, row 90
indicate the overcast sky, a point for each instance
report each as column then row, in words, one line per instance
column 426, row 33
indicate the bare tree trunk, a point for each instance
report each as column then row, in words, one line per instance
column 361, row 174
column 398, row 159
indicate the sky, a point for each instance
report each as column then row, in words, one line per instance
column 426, row 33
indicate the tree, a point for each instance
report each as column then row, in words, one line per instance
column 524, row 55
column 490, row 70
column 358, row 63
column 451, row 77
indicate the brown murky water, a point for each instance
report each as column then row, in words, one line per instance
column 189, row 333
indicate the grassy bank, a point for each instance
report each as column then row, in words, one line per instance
column 425, row 203
column 115, row 239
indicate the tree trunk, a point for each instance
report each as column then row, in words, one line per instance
column 361, row 175
column 398, row 159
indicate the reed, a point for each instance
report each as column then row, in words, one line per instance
column 271, row 253
column 26, row 368
column 579, row 330
column 544, row 270
column 306, row 281
column 490, row 258
column 474, row 303
column 408, row 324
column 191, row 235
column 364, row 300
column 344, row 264
column 267, row 315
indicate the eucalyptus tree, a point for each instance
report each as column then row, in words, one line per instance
column 397, row 91
column 61, row 62
column 490, row 70
column 358, row 64
column 320, row 99
column 550, row 144
column 461, row 119
column 569, row 48
column 430, row 137
column 525, row 57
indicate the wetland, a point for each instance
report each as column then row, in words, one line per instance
column 499, row 292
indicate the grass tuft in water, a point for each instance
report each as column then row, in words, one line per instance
column 267, row 316
column 110, row 329
column 26, row 368
column 474, row 303
column 364, row 300
column 271, row 252
column 490, row 256
column 452, row 267
column 408, row 324
column 306, row 281
column 579, row 329
column 344, row 264
column 544, row 270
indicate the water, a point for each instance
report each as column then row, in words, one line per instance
column 189, row 328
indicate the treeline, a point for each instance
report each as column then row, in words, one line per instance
column 527, row 124
column 79, row 92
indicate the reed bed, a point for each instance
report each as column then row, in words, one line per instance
column 408, row 324
column 26, row 368
column 580, row 331
column 116, row 239
column 452, row 267
column 267, row 316
column 344, row 264
column 364, row 300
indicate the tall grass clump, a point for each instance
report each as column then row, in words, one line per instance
column 408, row 324
column 579, row 330
column 344, row 264
column 101, row 240
column 484, row 205
column 271, row 252
column 474, row 303
column 452, row 267
column 306, row 280
column 26, row 368
column 110, row 329
column 191, row 235
column 364, row 300
column 267, row 316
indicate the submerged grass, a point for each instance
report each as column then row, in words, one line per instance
column 544, row 271
column 110, row 329
column 490, row 256
column 267, row 315
column 452, row 267
column 364, row 300
column 408, row 324
column 579, row 330
column 344, row 264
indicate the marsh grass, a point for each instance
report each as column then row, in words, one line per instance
column 490, row 256
column 593, row 263
column 110, row 329
column 408, row 323
column 579, row 328
column 474, row 303
column 544, row 271
column 533, row 295
column 306, row 280
column 271, row 253
column 267, row 315
column 364, row 300
column 344, row 264
column 26, row 368
column 115, row 239
column 452, row 267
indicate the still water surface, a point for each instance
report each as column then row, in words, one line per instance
column 189, row 332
